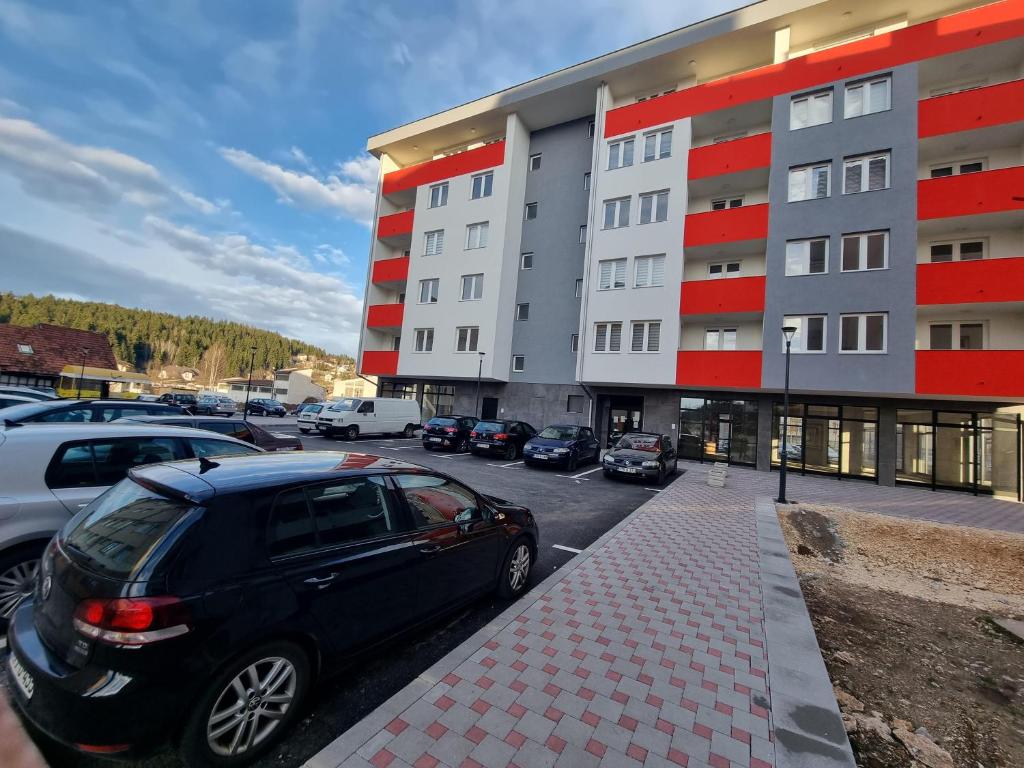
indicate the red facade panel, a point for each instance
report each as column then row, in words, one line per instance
column 971, row 193
column 390, row 270
column 971, row 282
column 470, row 161
column 385, row 315
column 748, row 222
column 731, row 156
column 379, row 363
column 977, row 108
column 740, row 369
column 714, row 297
column 395, row 224
column 959, row 31
column 973, row 372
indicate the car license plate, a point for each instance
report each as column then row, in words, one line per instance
column 630, row 470
column 482, row 445
column 23, row 679
column 540, row 456
column 435, row 439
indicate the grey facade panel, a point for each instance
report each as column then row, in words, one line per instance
column 553, row 238
column 537, row 404
column 892, row 290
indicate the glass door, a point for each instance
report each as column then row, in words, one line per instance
column 625, row 414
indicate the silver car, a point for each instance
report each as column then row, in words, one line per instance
column 215, row 405
column 50, row 471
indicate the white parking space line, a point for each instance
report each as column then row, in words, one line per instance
column 566, row 549
column 457, row 456
column 511, row 464
column 574, row 477
column 588, row 472
column 654, row 490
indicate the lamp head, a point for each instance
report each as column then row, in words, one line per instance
column 789, row 331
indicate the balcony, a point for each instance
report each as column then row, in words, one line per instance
column 385, row 316
column 739, row 369
column 394, row 270
column 379, row 363
column 746, row 223
column 728, row 157
column 970, row 194
column 470, row 161
column 970, row 110
column 971, row 282
column 973, row 372
column 724, row 296
column 395, row 225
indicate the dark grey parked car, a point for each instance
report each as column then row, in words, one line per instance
column 642, row 455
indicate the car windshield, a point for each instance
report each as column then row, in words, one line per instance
column 348, row 404
column 650, row 443
column 490, row 426
column 439, row 422
column 313, row 408
column 116, row 533
column 560, row 433
column 273, row 403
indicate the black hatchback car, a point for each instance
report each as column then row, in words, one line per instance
column 505, row 438
column 145, row 628
column 448, row 432
column 266, row 407
column 642, row 455
column 186, row 400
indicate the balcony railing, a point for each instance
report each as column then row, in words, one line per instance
column 470, row 161
column 737, row 369
column 971, row 193
column 998, row 104
column 390, row 270
column 733, row 156
column 395, row 224
column 970, row 282
column 385, row 316
column 379, row 363
column 972, row 372
column 715, row 297
column 748, row 222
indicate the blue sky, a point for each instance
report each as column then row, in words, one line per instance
column 207, row 156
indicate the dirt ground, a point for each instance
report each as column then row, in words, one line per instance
column 904, row 615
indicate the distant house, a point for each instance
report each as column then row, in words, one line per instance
column 295, row 385
column 357, row 387
column 235, row 388
column 177, row 373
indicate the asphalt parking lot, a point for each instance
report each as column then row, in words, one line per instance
column 572, row 510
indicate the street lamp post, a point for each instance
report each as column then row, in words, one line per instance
column 479, row 374
column 248, row 386
column 788, row 331
column 81, row 374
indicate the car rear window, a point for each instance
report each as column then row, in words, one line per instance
column 118, row 531
column 442, row 422
column 105, row 462
column 649, row 443
column 489, row 426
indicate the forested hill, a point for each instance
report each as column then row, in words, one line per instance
column 146, row 339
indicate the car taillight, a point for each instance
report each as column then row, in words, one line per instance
column 450, row 430
column 501, row 436
column 132, row 620
column 473, row 434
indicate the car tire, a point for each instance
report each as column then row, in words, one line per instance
column 409, row 431
column 511, row 452
column 570, row 464
column 199, row 750
column 608, row 474
column 514, row 574
column 352, row 432
column 662, row 472
column 303, row 431
column 18, row 568
column 427, row 447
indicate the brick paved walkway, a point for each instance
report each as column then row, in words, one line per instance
column 647, row 650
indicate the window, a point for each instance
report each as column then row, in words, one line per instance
column 429, row 290
column 579, row 287
column 574, row 343
column 438, row 500
column 810, row 109
column 476, row 235
column 862, row 333
column 657, row 145
column 959, row 250
column 522, row 311
column 807, row 257
column 590, row 129
column 105, row 462
column 518, row 363
column 649, row 271
column 616, row 213
column 291, row 528
column 611, row 274
column 724, row 269
column 433, row 242
column 574, row 404
column 472, row 287
column 583, row 233
column 483, row 183
column 534, row 162
column 866, row 173
column 956, row 336
column 607, row 337
column 439, row 195
column 951, row 169
column 586, row 180
column 726, row 202
column 866, row 250
column 396, row 343
column 424, row 340
column 720, row 339
column 810, row 182
column 867, row 97
column 810, row 333
column 620, row 154
column 653, row 206
column 466, row 339
column 526, row 261
column 352, row 510
column 531, row 211
column 25, row 349
column 646, row 336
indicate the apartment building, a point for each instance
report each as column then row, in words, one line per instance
column 621, row 242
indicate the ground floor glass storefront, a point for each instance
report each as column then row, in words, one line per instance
column 436, row 399
column 838, row 440
column 718, row 430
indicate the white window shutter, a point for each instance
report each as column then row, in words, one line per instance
column 658, row 270
column 653, row 337
column 637, row 343
column 643, row 271
column 615, row 338
column 797, row 184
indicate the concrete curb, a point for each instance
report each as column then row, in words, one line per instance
column 346, row 745
column 808, row 730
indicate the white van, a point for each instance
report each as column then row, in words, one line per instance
column 355, row 416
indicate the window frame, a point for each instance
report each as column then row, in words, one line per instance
column 619, row 146
column 608, row 326
column 438, row 240
column 523, row 260
column 482, row 230
column 578, row 289
column 862, row 255
column 725, row 275
column 533, row 164
column 645, row 339
column 583, row 234
column 957, row 249
column 522, row 311
column 442, row 194
column 522, row 361
column 865, row 84
column 531, row 207
column 486, row 185
column 476, row 280
column 586, row 181
column 864, row 161
column 420, row 338
column 720, row 332
column 620, row 206
column 809, row 184
column 658, row 144
column 862, row 333
column 800, row 321
column 655, row 206
column 806, row 256
column 471, row 349
column 809, row 97
column 428, row 282
column 613, row 286
column 574, row 343
column 651, row 259
column 956, row 335
column 726, row 203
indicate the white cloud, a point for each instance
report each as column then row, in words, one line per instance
column 347, row 193
column 302, row 158
column 201, row 204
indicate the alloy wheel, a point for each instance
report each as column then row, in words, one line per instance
column 251, row 706
column 16, row 583
column 519, row 567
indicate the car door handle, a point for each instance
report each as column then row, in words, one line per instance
column 322, row 579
